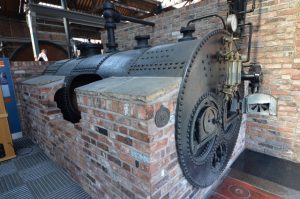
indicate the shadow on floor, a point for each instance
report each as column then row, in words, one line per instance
column 283, row 172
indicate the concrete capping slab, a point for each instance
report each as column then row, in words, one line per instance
column 141, row 89
column 43, row 80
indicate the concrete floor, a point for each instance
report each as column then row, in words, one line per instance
column 32, row 175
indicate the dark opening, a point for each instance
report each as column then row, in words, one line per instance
column 66, row 97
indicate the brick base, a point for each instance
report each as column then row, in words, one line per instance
column 116, row 151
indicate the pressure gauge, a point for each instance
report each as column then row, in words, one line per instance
column 232, row 22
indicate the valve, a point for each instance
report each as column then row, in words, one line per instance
column 254, row 76
column 187, row 33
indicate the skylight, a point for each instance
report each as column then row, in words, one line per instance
column 50, row 5
column 177, row 3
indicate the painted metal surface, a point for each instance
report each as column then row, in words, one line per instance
column 204, row 77
column 7, row 85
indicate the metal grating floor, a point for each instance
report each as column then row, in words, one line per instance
column 32, row 175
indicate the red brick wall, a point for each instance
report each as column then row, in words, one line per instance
column 276, row 46
column 13, row 28
column 15, row 32
column 168, row 24
column 17, row 29
column 21, row 71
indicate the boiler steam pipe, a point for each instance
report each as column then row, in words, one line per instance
column 251, row 10
column 205, row 17
column 112, row 16
column 249, row 41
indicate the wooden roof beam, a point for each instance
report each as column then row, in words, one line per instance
column 145, row 5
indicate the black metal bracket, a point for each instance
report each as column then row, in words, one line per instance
column 72, row 16
column 239, row 12
column 254, row 75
